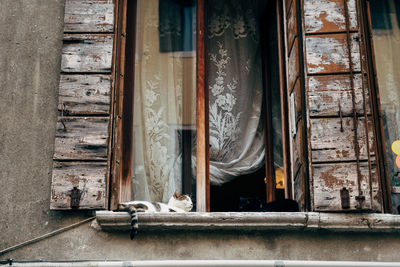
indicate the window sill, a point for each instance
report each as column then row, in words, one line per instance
column 342, row 222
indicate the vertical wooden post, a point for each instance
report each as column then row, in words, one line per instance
column 127, row 106
column 284, row 97
column 202, row 125
column 121, row 172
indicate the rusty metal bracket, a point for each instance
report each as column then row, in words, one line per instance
column 75, row 195
column 345, row 198
column 341, row 117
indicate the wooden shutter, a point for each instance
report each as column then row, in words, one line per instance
column 341, row 142
column 296, row 102
column 82, row 136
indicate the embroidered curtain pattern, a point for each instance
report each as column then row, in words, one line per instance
column 235, row 84
column 164, row 94
column 160, row 80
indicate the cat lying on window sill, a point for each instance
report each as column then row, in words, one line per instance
column 177, row 203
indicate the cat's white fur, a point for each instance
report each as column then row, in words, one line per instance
column 177, row 203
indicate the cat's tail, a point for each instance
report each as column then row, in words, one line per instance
column 134, row 221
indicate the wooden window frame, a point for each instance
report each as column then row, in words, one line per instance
column 122, row 115
column 366, row 26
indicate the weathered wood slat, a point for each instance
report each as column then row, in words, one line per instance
column 329, row 143
column 84, row 94
column 329, row 97
column 328, row 15
column 87, row 53
column 329, row 179
column 296, row 148
column 329, row 53
column 81, row 138
column 298, row 186
column 377, row 202
column 291, row 25
column 89, row 16
column 293, row 65
column 326, row 93
column 288, row 4
column 88, row 177
column 80, row 158
column 297, row 101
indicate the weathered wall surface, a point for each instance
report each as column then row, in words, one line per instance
column 30, row 52
column 30, row 45
column 87, row 243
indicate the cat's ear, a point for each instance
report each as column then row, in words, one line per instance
column 177, row 194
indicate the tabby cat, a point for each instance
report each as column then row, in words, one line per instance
column 177, row 203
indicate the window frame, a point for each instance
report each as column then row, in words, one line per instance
column 366, row 26
column 121, row 150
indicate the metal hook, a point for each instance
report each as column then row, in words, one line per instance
column 341, row 117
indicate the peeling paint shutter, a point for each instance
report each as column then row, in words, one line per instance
column 296, row 102
column 82, row 139
column 342, row 164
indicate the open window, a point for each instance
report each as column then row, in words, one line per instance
column 172, row 82
column 201, row 90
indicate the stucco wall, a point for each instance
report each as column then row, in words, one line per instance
column 30, row 43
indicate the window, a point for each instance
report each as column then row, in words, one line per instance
column 188, row 133
column 317, row 65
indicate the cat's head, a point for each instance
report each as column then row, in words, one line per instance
column 183, row 202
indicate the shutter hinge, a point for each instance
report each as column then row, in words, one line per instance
column 76, row 195
column 345, row 198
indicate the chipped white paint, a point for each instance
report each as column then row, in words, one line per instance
column 81, row 138
column 87, row 53
column 330, row 54
column 328, row 15
column 355, row 52
column 318, row 11
column 351, row 5
column 89, row 16
column 326, row 93
column 329, row 179
column 328, row 142
column 84, row 94
column 322, row 51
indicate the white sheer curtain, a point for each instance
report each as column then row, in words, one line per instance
column 235, row 84
column 160, row 80
column 164, row 94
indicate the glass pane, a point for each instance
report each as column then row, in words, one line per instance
column 385, row 17
column 164, row 100
column 236, row 109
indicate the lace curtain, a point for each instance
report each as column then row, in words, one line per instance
column 165, row 90
column 235, row 84
column 162, row 80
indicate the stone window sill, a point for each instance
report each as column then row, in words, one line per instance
column 345, row 222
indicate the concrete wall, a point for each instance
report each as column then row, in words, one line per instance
column 30, row 43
